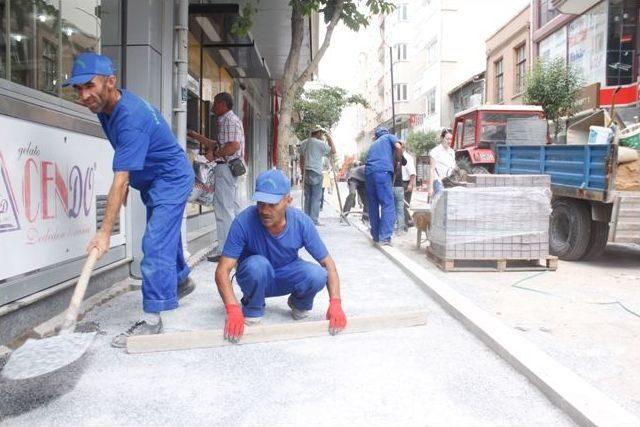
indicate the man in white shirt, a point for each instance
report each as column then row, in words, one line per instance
column 442, row 161
column 409, row 183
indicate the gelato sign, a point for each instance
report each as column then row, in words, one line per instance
column 49, row 180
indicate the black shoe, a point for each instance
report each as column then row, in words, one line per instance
column 213, row 258
column 186, row 287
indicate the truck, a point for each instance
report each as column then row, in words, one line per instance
column 477, row 132
column 587, row 210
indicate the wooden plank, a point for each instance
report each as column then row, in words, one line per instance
column 208, row 338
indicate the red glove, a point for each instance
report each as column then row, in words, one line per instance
column 335, row 316
column 234, row 326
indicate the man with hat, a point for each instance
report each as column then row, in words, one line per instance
column 262, row 246
column 382, row 158
column 312, row 152
column 147, row 157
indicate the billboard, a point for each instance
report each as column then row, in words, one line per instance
column 49, row 181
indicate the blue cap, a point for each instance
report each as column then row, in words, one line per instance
column 86, row 66
column 381, row 131
column 271, row 186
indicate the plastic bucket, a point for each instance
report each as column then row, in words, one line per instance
column 630, row 137
column 600, row 135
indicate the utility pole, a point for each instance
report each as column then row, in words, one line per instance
column 393, row 100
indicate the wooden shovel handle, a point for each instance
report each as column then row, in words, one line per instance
column 71, row 314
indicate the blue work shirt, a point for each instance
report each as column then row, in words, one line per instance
column 248, row 237
column 381, row 155
column 145, row 147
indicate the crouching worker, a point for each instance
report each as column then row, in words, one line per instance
column 262, row 246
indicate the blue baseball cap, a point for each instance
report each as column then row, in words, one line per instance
column 381, row 131
column 86, row 66
column 271, row 186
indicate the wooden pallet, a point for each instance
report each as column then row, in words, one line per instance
column 447, row 264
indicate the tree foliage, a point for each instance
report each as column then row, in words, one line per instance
column 323, row 107
column 420, row 142
column 555, row 87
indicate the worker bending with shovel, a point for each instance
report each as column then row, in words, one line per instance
column 147, row 157
column 262, row 246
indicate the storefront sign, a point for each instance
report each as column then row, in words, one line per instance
column 49, row 181
column 589, row 97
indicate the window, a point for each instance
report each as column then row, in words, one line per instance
column 554, row 46
column 621, row 42
column 400, row 92
column 521, row 62
column 469, row 137
column 401, row 52
column 499, row 81
column 587, row 41
column 546, row 12
column 402, row 12
column 431, row 102
column 432, row 53
column 41, row 38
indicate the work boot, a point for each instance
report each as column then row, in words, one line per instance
column 186, row 287
column 296, row 313
column 385, row 243
column 141, row 327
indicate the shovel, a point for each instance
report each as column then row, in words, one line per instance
column 39, row 357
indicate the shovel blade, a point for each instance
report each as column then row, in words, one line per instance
column 39, row 357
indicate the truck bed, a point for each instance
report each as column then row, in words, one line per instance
column 579, row 171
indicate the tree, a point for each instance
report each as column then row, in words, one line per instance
column 322, row 106
column 355, row 14
column 555, row 87
column 420, row 142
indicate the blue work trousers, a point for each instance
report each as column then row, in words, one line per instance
column 259, row 280
column 382, row 209
column 163, row 265
column 312, row 194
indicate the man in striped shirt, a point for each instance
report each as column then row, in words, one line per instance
column 229, row 146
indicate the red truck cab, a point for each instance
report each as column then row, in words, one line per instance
column 478, row 130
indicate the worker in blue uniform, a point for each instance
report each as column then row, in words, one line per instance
column 383, row 154
column 262, row 246
column 148, row 158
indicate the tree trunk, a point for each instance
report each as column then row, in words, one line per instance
column 292, row 81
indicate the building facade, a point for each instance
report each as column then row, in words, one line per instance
column 54, row 158
column 508, row 60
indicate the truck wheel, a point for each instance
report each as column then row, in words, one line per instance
column 598, row 241
column 569, row 228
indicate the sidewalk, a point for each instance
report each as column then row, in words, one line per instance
column 584, row 315
column 437, row 374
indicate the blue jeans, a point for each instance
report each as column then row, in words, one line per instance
column 258, row 280
column 398, row 195
column 312, row 194
column 382, row 209
column 163, row 265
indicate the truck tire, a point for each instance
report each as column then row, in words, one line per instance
column 569, row 228
column 598, row 240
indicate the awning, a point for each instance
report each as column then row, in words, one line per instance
column 212, row 24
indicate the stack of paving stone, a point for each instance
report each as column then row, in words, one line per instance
column 495, row 217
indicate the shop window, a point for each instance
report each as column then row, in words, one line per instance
column 521, row 68
column 43, row 39
column 554, row 46
column 546, row 12
column 431, row 102
column 499, row 80
column 586, row 44
column 621, row 52
column 400, row 92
